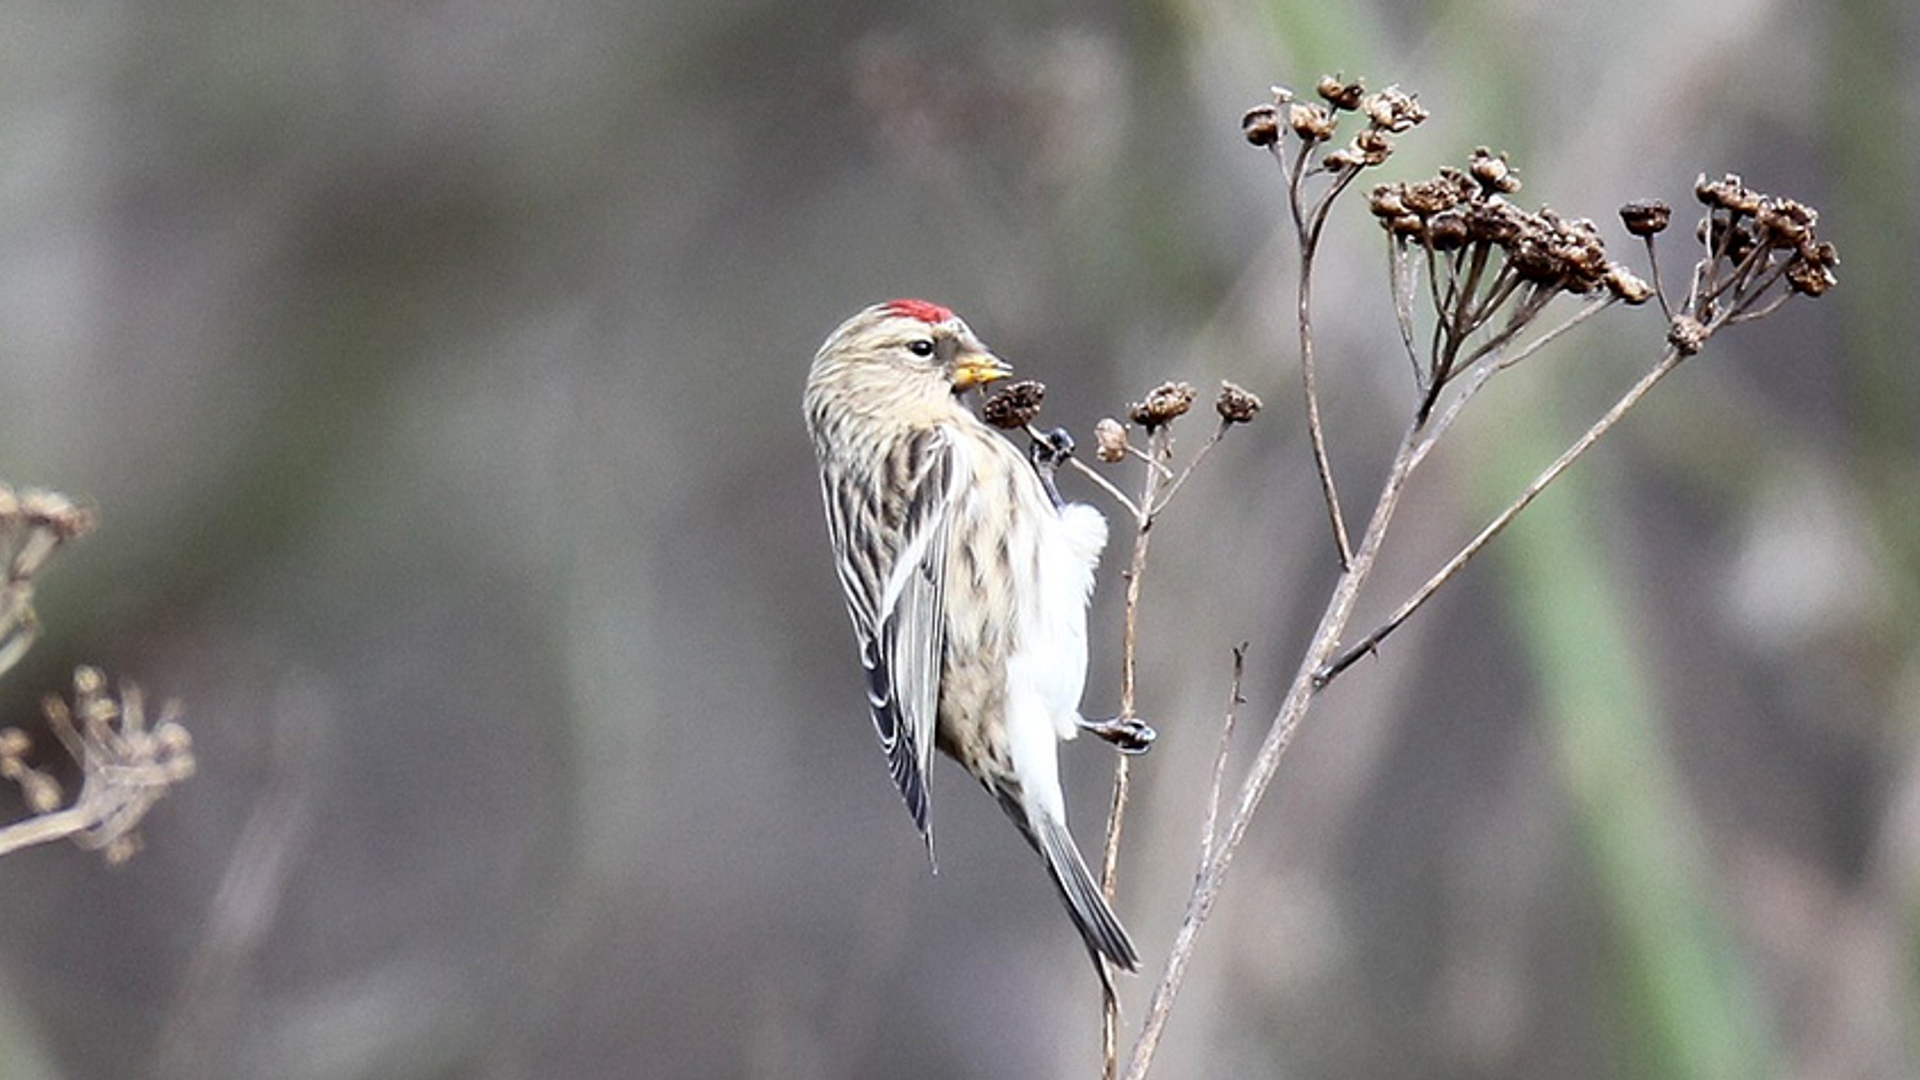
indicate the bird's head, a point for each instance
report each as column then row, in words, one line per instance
column 911, row 349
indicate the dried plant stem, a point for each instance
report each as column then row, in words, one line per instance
column 1153, row 489
column 1307, row 227
column 1099, row 481
column 1213, row 867
column 1480, row 373
column 1500, row 521
column 1166, row 495
column 46, row 828
column 1209, row 828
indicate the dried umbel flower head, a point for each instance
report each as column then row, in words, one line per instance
column 1754, row 239
column 1235, row 404
column 1388, row 112
column 1373, row 146
column 1313, row 123
column 1458, row 209
column 1165, row 403
column 1786, row 222
column 33, row 525
column 1261, row 125
column 1110, row 440
column 1015, row 405
column 1624, row 284
column 1492, row 172
column 1812, row 273
column 1392, row 109
column 1646, row 217
column 125, row 767
column 1727, row 193
column 1336, row 91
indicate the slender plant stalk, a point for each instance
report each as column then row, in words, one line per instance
column 1501, row 520
column 46, row 828
column 1478, row 374
column 1308, row 228
column 1213, row 869
column 1152, row 492
column 1210, row 827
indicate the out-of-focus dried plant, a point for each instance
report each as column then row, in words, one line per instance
column 33, row 525
column 125, row 764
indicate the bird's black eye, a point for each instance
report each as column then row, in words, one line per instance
column 920, row 347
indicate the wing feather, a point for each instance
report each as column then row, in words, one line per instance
column 890, row 530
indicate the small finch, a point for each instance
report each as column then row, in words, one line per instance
column 967, row 581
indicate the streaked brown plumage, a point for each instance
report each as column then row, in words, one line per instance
column 966, row 584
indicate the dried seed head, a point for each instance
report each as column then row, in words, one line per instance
column 1727, row 193
column 1235, row 404
column 1339, row 93
column 1450, row 188
column 1392, row 109
column 1622, row 283
column 1015, row 405
column 1312, row 123
column 1164, row 403
column 1385, row 202
column 1785, row 221
column 1342, row 159
column 1261, row 125
column 1373, row 145
column 1448, row 230
column 1495, row 221
column 1646, row 217
column 1810, row 278
column 1492, row 172
column 1407, row 225
column 1110, row 440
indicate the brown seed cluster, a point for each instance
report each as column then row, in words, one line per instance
column 1459, row 209
column 1646, row 217
column 1166, row 402
column 1235, row 404
column 1014, row 405
column 1388, row 112
column 1753, row 230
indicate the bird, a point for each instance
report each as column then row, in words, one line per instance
column 967, row 579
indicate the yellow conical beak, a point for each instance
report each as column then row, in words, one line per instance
column 978, row 369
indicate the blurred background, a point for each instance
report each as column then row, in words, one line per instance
column 435, row 370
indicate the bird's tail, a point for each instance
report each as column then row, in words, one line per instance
column 1099, row 927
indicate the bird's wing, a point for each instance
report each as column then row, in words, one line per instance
column 889, row 531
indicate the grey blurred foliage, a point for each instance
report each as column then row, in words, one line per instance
column 435, row 371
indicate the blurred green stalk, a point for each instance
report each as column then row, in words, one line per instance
column 1685, row 1003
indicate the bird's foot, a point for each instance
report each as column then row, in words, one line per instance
column 1048, row 451
column 1128, row 735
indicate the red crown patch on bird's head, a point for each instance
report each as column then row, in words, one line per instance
column 925, row 310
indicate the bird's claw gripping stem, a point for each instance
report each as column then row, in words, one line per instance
column 1047, row 452
column 1128, row 735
